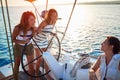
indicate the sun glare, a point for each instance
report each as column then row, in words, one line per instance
column 80, row 17
column 40, row 2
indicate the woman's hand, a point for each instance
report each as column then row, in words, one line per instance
column 92, row 75
column 54, row 34
column 38, row 32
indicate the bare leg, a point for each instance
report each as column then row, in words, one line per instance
column 38, row 62
column 16, row 67
column 47, row 69
column 31, row 65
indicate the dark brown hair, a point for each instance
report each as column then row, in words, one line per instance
column 115, row 42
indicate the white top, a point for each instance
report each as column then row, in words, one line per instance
column 24, row 38
column 113, row 73
column 42, row 38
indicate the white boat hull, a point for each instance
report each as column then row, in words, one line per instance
column 59, row 70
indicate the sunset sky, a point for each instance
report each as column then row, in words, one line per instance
column 40, row 2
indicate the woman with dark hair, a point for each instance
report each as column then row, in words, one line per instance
column 43, row 31
column 108, row 64
column 21, row 35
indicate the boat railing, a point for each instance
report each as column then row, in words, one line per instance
column 7, row 29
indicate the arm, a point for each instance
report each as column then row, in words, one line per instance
column 41, row 26
column 94, row 69
column 15, row 33
column 97, row 64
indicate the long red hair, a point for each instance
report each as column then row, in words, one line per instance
column 24, row 21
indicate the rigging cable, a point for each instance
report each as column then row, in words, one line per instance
column 46, row 5
column 7, row 32
column 36, row 11
column 37, row 17
column 69, row 20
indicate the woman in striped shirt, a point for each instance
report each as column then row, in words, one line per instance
column 43, row 31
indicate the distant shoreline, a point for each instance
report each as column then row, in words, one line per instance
column 84, row 3
column 101, row 2
column 93, row 3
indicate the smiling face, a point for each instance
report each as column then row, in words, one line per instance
column 31, row 21
column 51, row 16
column 27, row 20
column 54, row 17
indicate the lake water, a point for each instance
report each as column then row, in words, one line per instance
column 88, row 27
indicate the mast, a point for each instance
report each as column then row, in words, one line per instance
column 69, row 20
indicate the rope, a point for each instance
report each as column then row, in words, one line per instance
column 36, row 9
column 69, row 20
column 6, row 31
column 37, row 17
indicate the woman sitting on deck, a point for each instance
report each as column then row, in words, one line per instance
column 21, row 35
column 108, row 63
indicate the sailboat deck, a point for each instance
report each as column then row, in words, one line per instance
column 22, row 76
column 2, row 77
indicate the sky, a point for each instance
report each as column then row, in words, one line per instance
column 43, row 2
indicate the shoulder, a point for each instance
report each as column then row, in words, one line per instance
column 117, row 56
column 34, row 28
column 17, row 27
column 43, row 23
column 102, row 55
column 16, row 31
